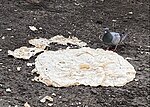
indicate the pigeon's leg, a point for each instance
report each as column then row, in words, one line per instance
column 107, row 48
column 115, row 47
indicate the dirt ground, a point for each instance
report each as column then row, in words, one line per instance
column 84, row 19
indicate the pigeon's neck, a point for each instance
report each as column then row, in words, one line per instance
column 107, row 38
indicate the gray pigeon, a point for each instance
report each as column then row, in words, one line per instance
column 113, row 38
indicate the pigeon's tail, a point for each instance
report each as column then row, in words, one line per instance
column 123, row 36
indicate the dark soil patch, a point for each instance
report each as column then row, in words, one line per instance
column 84, row 19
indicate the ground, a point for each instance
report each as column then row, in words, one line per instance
column 84, row 19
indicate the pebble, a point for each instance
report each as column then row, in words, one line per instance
column 40, row 28
column 30, row 64
column 128, row 58
column 69, row 32
column 18, row 68
column 50, row 104
column 3, row 37
column 142, row 52
column 1, row 85
column 26, row 105
column 53, row 94
column 147, row 53
column 77, row 4
column 33, row 28
column 114, row 20
column 79, row 102
column 8, row 29
column 49, row 98
column 0, row 50
column 9, row 70
column 8, row 90
column 130, row 12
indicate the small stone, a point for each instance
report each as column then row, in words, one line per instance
column 30, row 64
column 33, row 28
column 130, row 12
column 0, row 50
column 18, row 68
column 49, row 98
column 114, row 20
column 53, row 94
column 77, row 4
column 147, row 53
column 79, row 102
column 26, row 105
column 8, row 90
column 1, row 85
column 40, row 28
column 69, row 32
column 128, row 58
column 8, row 29
column 142, row 52
column 3, row 37
column 147, row 46
column 50, row 104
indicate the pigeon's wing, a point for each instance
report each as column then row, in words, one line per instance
column 116, row 38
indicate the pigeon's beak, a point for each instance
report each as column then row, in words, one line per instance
column 106, row 30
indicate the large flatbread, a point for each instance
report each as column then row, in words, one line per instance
column 84, row 66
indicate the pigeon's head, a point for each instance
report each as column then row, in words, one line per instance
column 106, row 30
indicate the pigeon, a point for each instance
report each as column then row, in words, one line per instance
column 113, row 38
